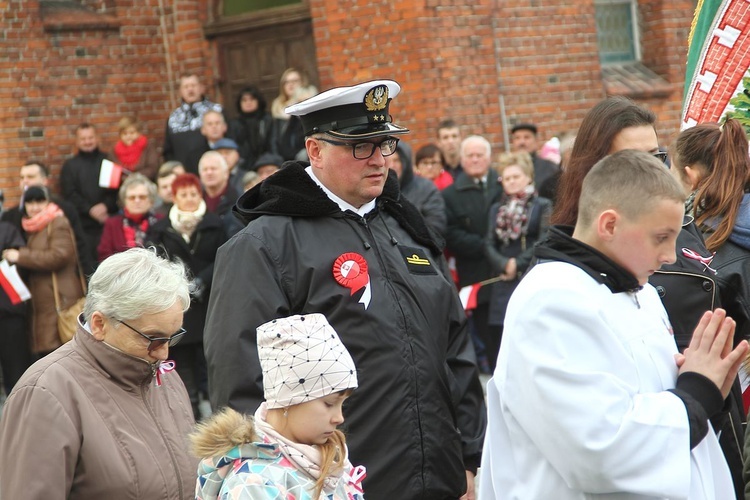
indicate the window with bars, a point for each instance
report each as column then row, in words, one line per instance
column 617, row 31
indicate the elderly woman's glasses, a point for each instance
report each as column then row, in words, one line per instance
column 156, row 342
column 364, row 150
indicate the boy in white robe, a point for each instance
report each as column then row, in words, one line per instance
column 590, row 398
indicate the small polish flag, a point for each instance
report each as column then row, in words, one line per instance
column 12, row 284
column 745, row 385
column 110, row 175
column 468, row 296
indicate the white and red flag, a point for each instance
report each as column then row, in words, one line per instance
column 110, row 175
column 12, row 283
column 468, row 296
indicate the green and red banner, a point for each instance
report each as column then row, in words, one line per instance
column 717, row 82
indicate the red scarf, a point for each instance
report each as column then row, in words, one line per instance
column 42, row 219
column 134, row 227
column 128, row 156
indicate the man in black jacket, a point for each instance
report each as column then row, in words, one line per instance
column 336, row 237
column 80, row 186
column 467, row 205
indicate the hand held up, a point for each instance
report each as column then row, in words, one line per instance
column 710, row 352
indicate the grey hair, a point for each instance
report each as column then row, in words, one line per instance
column 135, row 282
column 213, row 154
column 480, row 139
column 136, row 179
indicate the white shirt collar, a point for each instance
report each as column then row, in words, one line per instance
column 344, row 206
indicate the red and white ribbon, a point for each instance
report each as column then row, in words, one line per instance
column 706, row 261
column 164, row 367
column 356, row 476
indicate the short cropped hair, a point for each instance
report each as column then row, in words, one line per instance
column 135, row 282
column 186, row 180
column 43, row 170
column 136, row 179
column 213, row 154
column 167, row 168
column 520, row 159
column 628, row 181
column 477, row 138
column 447, row 123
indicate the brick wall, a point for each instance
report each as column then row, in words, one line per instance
column 62, row 75
column 451, row 60
column 457, row 60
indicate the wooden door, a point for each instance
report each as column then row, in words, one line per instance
column 260, row 54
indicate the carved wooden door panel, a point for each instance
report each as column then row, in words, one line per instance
column 259, row 56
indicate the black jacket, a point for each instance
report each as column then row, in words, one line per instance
column 467, row 209
column 80, row 186
column 688, row 289
column 421, row 192
column 198, row 256
column 10, row 237
column 418, row 417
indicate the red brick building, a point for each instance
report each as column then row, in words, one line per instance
column 69, row 61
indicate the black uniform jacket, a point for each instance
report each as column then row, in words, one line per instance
column 417, row 419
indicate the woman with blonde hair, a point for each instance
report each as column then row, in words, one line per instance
column 293, row 87
column 516, row 222
column 291, row 448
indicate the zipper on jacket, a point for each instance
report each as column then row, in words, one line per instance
column 386, row 275
column 172, row 457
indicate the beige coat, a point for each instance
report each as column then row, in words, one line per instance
column 88, row 421
column 50, row 250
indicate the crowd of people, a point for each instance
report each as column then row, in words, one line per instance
column 311, row 268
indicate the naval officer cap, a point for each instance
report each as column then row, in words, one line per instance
column 357, row 112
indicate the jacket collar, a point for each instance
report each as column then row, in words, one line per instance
column 559, row 245
column 126, row 370
column 291, row 192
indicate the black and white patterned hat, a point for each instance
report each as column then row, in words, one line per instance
column 302, row 359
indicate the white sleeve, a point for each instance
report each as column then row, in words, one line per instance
column 591, row 394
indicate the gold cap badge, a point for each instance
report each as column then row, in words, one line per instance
column 376, row 98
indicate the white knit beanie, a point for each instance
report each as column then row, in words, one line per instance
column 302, row 359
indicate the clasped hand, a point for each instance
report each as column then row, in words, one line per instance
column 710, row 352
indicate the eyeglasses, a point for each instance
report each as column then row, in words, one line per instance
column 364, row 150
column 133, row 197
column 661, row 156
column 156, row 342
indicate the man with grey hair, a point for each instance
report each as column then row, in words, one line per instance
column 219, row 194
column 467, row 204
column 105, row 406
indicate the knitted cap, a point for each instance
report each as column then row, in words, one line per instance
column 302, row 359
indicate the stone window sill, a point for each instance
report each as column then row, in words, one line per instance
column 634, row 80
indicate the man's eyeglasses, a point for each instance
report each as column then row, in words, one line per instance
column 156, row 342
column 661, row 156
column 364, row 150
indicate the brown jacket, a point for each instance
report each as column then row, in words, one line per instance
column 50, row 250
column 88, row 421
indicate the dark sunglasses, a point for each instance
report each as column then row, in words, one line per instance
column 661, row 156
column 156, row 342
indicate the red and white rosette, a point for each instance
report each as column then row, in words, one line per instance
column 350, row 271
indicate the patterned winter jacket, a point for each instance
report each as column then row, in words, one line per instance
column 263, row 470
